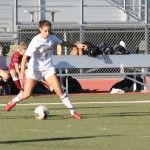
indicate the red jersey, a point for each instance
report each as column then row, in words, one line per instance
column 16, row 58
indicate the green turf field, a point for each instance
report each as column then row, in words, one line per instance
column 121, row 124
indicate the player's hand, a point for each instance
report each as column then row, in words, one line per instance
column 82, row 46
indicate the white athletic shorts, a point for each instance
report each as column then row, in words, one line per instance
column 39, row 75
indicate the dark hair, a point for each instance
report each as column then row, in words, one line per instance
column 43, row 23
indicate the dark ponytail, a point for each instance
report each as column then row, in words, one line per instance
column 43, row 23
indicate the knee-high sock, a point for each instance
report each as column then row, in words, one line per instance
column 66, row 101
column 17, row 83
column 17, row 98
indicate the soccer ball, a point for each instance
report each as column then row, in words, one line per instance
column 41, row 112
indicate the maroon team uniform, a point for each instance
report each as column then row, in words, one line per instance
column 16, row 58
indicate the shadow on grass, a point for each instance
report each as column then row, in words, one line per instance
column 126, row 114
column 121, row 114
column 53, row 139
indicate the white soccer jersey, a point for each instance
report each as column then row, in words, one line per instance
column 41, row 50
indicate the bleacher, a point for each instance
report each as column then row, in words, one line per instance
column 19, row 12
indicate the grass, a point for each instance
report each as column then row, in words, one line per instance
column 108, row 126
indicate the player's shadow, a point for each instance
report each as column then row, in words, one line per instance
column 108, row 61
column 127, row 114
column 63, row 64
column 55, row 139
column 122, row 114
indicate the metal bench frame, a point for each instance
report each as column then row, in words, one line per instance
column 83, row 61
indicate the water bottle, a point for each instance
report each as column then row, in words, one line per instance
column 121, row 68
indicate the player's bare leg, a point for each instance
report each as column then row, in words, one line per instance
column 54, row 82
column 28, row 87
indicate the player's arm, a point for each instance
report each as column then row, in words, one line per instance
column 68, row 44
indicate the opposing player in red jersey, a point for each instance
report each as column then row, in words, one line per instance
column 15, row 63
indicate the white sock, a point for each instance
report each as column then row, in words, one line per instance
column 66, row 101
column 15, row 78
column 17, row 98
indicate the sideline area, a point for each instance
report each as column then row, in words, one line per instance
column 102, row 85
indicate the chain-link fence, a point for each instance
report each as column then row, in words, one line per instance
column 135, row 36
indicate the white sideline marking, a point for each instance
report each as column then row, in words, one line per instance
column 114, row 102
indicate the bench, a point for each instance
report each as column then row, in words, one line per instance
column 87, row 64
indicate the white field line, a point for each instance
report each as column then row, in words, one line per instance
column 114, row 102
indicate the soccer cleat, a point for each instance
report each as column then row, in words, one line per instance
column 10, row 105
column 77, row 116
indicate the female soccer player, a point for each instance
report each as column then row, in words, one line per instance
column 14, row 68
column 40, row 66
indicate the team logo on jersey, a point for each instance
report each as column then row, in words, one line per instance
column 46, row 48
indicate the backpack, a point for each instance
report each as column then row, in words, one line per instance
column 127, row 85
column 91, row 50
column 119, row 50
